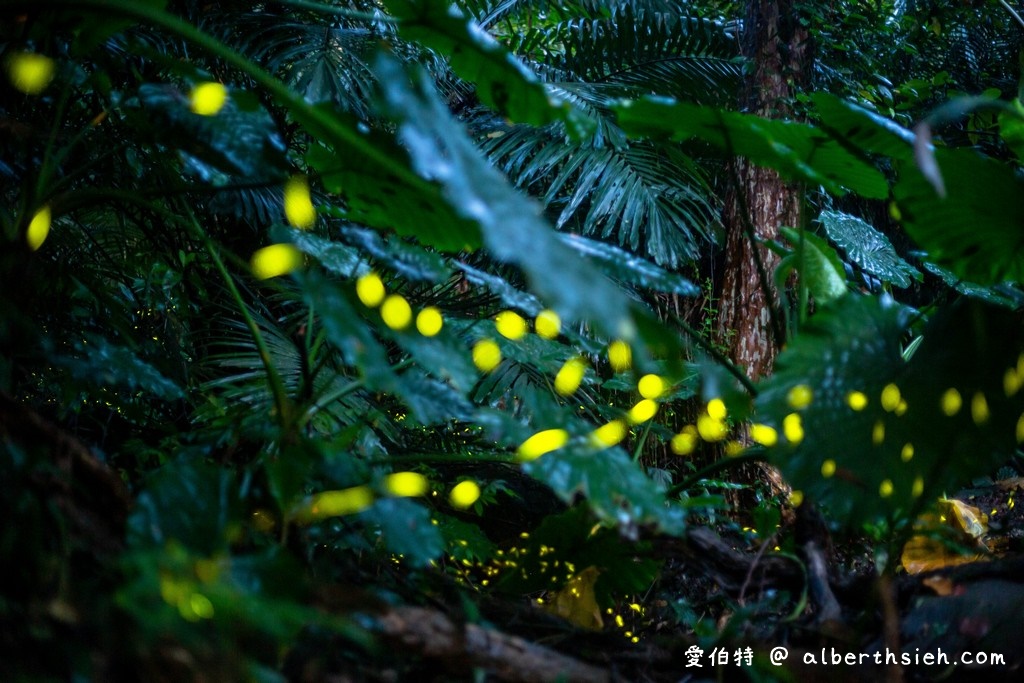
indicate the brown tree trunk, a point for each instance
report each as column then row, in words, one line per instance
column 780, row 51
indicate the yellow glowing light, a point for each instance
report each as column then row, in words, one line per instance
column 609, row 435
column 799, row 397
column 30, row 72
column 298, row 204
column 486, row 355
column 711, row 429
column 885, row 489
column 396, row 312
column 429, row 321
column 684, row 442
column 857, row 400
column 828, row 468
column 716, row 409
column 568, row 379
column 918, row 488
column 651, row 386
column 333, row 503
column 891, row 397
column 907, row 454
column 1012, row 382
column 733, row 448
column 370, row 290
column 406, row 484
column 464, row 494
column 901, row 408
column 510, row 325
column 275, row 260
column 643, row 411
column 764, row 435
column 793, row 428
column 979, row 409
column 547, row 324
column 796, row 498
column 208, row 98
column 542, row 442
column 620, row 355
column 201, row 606
column 878, row 433
column 38, row 228
column 951, row 402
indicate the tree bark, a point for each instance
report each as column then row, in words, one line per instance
column 780, row 51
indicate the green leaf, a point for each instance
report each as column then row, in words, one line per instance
column 796, row 150
column 99, row 363
column 374, row 194
column 629, row 269
column 885, row 459
column 566, row 544
column 977, row 229
column 616, row 488
column 237, row 140
column 820, row 266
column 862, row 129
column 188, row 501
column 512, row 226
column 1011, row 128
column 868, row 248
column 502, row 82
column 406, row 529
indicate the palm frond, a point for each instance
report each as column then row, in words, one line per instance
column 650, row 199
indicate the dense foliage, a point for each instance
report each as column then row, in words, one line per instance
column 314, row 312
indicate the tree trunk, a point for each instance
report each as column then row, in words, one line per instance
column 780, row 52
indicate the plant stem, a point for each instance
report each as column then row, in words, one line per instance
column 716, row 354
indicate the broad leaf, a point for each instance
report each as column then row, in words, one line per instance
column 616, row 488
column 862, row 129
column 817, row 263
column 237, row 140
column 187, row 501
column 512, row 227
column 880, row 436
column 977, row 229
column 797, row 151
column 868, row 248
column 501, row 80
column 629, row 269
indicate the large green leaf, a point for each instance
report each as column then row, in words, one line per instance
column 817, row 263
column 406, row 529
column 512, row 226
column 616, row 488
column 501, row 80
column 239, row 140
column 876, row 443
column 977, row 229
column 187, row 501
column 376, row 195
column 96, row 362
column 868, row 248
column 630, row 269
column 863, row 130
column 797, row 151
